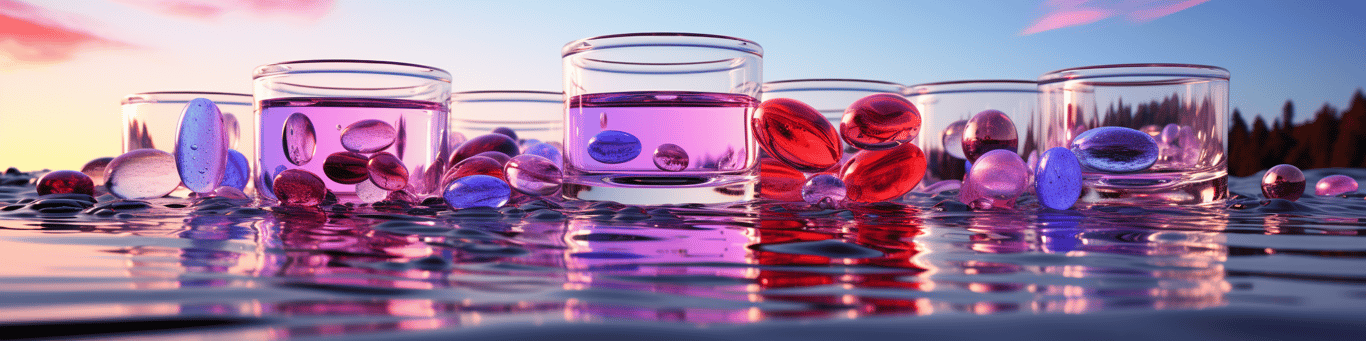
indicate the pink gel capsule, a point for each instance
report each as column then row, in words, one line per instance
column 1283, row 182
column 880, row 121
column 387, row 171
column 999, row 175
column 987, row 131
column 368, row 136
column 1334, row 185
column 297, row 187
column 65, row 181
column 873, row 176
column 471, row 166
column 533, row 175
column 797, row 134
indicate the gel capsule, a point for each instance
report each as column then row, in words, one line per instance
column 142, row 174
column 671, row 157
column 1057, row 178
column 387, row 171
column 1335, row 184
column 611, row 146
column 299, row 139
column 201, row 149
column 953, row 138
column 474, row 165
column 824, row 190
column 368, row 192
column 483, row 143
column 368, row 136
column 797, row 134
column 880, row 121
column 1115, row 149
column 547, row 151
column 346, row 167
column 987, row 131
column 1283, row 182
column 476, row 191
column 999, row 175
column 496, row 156
column 233, row 129
column 533, row 175
column 65, row 181
column 95, row 169
column 778, row 181
column 297, row 187
column 505, row 131
column 873, row 176
column 237, row 171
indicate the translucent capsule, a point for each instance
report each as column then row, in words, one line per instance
column 1057, row 178
column 300, row 141
column 873, row 176
column 505, row 131
column 1335, row 184
column 483, row 143
column 368, row 192
column 201, row 149
column 824, row 190
column 611, row 146
column 880, row 121
column 65, row 181
column 533, row 175
column 987, row 131
column 953, row 138
column 95, row 169
column 233, row 129
column 476, row 191
column 778, row 181
column 237, row 172
column 474, row 165
column 671, row 157
column 547, row 151
column 1283, row 182
column 346, row 167
column 1115, row 149
column 999, row 175
column 496, row 156
column 368, row 136
column 387, row 171
column 297, row 187
column 796, row 134
column 142, row 174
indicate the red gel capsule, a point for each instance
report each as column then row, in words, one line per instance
column 387, row 171
column 873, row 176
column 474, row 165
column 778, row 181
column 880, row 121
column 346, row 167
column 797, row 134
column 297, row 187
column 483, row 143
column 66, row 181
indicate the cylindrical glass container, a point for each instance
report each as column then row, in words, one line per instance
column 330, row 117
column 537, row 115
column 152, row 120
column 1184, row 107
column 830, row 96
column 659, row 118
column 945, row 108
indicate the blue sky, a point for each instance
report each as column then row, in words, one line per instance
column 59, row 100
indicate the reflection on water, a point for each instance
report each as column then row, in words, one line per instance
column 179, row 265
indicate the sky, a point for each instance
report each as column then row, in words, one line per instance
column 65, row 65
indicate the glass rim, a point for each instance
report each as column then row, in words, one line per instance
column 625, row 40
column 1135, row 70
column 834, row 84
column 972, row 85
column 526, row 92
column 331, row 66
column 142, row 97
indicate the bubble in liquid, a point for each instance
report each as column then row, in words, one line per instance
column 533, row 175
column 1283, row 182
column 999, row 175
column 368, row 136
column 299, row 139
column 496, row 156
column 671, row 157
column 611, row 146
column 368, row 192
column 1057, row 178
column 142, row 174
column 796, row 134
column 1115, row 149
column 65, row 181
column 474, row 165
column 547, row 151
column 987, row 131
column 297, row 187
column 483, row 143
column 873, row 176
column 880, row 121
column 201, row 149
column 953, row 138
column 95, row 169
column 824, row 190
column 476, row 191
column 1335, row 184
column 346, row 167
column 387, row 171
column 778, row 181
column 237, row 171
column 233, row 129
column 505, row 131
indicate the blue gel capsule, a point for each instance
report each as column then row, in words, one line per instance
column 1057, row 178
column 477, row 191
column 201, row 149
column 1115, row 149
column 611, row 146
column 547, row 151
column 238, row 171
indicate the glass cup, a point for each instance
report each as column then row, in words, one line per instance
column 661, row 118
column 830, row 96
column 945, row 108
column 533, row 115
column 152, row 119
column 329, row 117
column 1184, row 107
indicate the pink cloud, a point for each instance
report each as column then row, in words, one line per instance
column 208, row 10
column 1069, row 13
column 32, row 35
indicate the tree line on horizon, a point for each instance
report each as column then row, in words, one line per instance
column 1332, row 138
